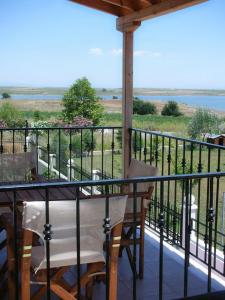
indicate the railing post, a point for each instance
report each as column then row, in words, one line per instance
column 95, row 177
column 52, row 161
column 70, row 169
column 39, row 151
column 194, row 209
column 193, row 213
column 28, row 143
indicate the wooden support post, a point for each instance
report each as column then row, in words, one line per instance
column 127, row 105
column 127, row 101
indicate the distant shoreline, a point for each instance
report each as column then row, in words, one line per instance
column 116, row 91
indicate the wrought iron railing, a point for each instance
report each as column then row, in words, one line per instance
column 186, row 209
column 86, row 148
column 46, row 191
column 174, row 155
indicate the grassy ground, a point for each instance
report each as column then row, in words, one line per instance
column 151, row 122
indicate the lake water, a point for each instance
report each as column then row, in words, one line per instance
column 212, row 102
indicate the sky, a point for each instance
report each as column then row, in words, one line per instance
column 54, row 42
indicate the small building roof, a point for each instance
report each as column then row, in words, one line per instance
column 214, row 136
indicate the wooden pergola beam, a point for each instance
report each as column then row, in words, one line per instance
column 104, row 6
column 156, row 10
column 125, row 3
column 129, row 4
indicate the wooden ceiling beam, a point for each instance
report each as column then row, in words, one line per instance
column 103, row 6
column 129, row 4
column 154, row 1
column 156, row 10
column 140, row 4
column 124, row 3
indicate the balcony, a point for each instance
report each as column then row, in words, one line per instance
column 184, row 239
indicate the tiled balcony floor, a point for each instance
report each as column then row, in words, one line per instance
column 148, row 287
column 173, row 276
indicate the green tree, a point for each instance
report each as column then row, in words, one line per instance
column 5, row 96
column 203, row 122
column 171, row 109
column 11, row 116
column 81, row 100
column 143, row 108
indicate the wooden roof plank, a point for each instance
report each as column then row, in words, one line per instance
column 103, row 6
column 125, row 3
column 156, row 10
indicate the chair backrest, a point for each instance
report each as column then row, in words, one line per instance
column 17, row 166
column 141, row 169
column 62, row 216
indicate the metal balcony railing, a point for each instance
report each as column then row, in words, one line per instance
column 187, row 204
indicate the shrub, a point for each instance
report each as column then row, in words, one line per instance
column 11, row 116
column 40, row 124
column 143, row 108
column 2, row 124
column 203, row 122
column 5, row 96
column 88, row 143
column 77, row 122
column 37, row 115
column 171, row 109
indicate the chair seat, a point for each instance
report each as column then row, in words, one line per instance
column 67, row 256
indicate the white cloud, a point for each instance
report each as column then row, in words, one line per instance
column 116, row 52
column 96, row 51
column 156, row 54
column 119, row 52
column 140, row 53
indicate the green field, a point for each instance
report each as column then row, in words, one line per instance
column 151, row 122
